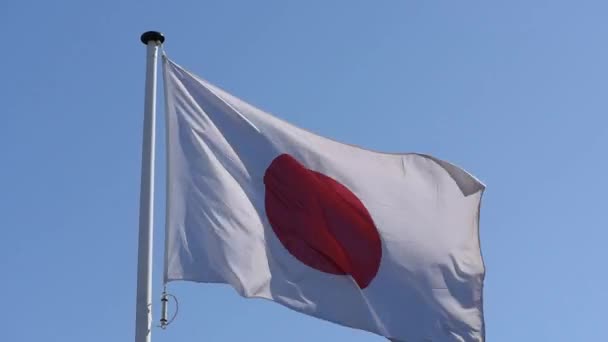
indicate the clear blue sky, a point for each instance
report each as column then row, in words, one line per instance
column 515, row 92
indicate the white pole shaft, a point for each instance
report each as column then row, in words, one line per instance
column 143, row 310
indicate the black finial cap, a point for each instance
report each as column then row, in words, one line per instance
column 154, row 36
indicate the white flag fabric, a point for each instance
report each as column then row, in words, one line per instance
column 387, row 243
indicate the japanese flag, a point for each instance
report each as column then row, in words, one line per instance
column 382, row 242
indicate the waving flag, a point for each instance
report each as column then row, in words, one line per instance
column 382, row 242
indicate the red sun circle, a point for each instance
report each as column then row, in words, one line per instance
column 320, row 221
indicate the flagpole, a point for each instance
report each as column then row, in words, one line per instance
column 143, row 307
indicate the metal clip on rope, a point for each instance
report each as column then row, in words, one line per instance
column 164, row 299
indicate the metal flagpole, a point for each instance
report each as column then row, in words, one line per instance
column 143, row 307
